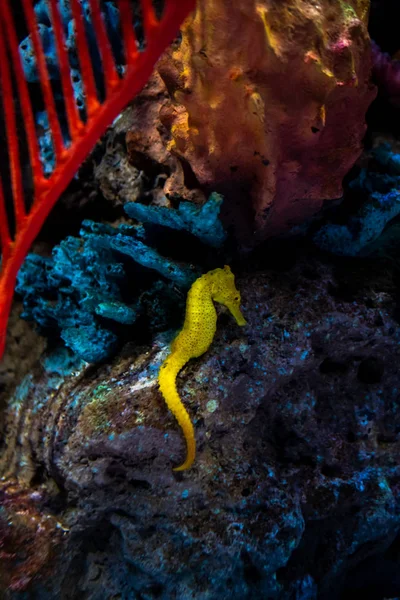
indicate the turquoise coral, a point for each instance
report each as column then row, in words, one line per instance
column 111, row 276
column 379, row 186
column 78, row 290
column 202, row 221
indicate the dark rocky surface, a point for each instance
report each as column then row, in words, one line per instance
column 295, row 488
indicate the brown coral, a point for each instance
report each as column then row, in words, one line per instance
column 147, row 145
column 269, row 102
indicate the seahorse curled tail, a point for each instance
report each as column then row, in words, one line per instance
column 167, row 383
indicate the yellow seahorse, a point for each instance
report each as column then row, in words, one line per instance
column 195, row 338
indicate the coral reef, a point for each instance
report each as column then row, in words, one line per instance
column 46, row 145
column 147, row 145
column 202, row 221
column 387, row 74
column 295, row 491
column 28, row 196
column 42, row 11
column 268, row 104
column 83, row 289
column 378, row 187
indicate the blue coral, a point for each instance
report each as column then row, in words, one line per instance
column 81, row 290
column 202, row 221
column 64, row 292
column 28, row 58
column 381, row 189
column 126, row 240
column 61, row 361
column 42, row 11
column 112, row 21
column 46, row 145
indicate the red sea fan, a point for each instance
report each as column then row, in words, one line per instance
column 19, row 224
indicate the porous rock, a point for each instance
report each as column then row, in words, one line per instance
column 268, row 103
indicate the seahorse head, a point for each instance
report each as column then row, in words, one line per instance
column 224, row 291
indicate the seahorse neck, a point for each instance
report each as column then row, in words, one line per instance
column 209, row 285
column 200, row 291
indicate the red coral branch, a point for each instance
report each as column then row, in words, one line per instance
column 119, row 91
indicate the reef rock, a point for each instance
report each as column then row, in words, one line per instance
column 295, row 489
column 268, row 103
column 387, row 74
